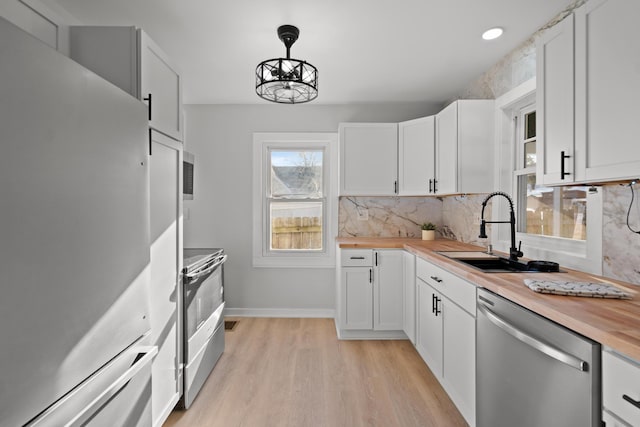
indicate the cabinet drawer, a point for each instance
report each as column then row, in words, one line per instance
column 620, row 378
column 356, row 258
column 453, row 287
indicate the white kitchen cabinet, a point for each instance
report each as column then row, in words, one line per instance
column 357, row 298
column 409, row 309
column 588, row 78
column 464, row 148
column 165, row 166
column 620, row 389
column 368, row 159
column 429, row 331
column 416, row 156
column 370, row 293
column 388, row 288
column 128, row 58
column 607, row 89
column 446, row 335
column 555, row 104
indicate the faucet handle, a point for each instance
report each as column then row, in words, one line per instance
column 519, row 254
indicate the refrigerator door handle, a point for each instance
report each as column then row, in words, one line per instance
column 145, row 357
column 550, row 351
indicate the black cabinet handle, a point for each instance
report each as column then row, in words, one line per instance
column 433, row 303
column 436, row 278
column 370, row 275
column 356, row 257
column 430, row 185
column 435, row 187
column 562, row 159
column 395, row 187
column 148, row 98
column 376, row 264
column 437, row 302
column 635, row 403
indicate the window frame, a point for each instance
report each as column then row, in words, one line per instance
column 581, row 255
column 263, row 144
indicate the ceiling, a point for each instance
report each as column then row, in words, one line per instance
column 366, row 51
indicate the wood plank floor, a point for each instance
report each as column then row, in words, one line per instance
column 295, row 372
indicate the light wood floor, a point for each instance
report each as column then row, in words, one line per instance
column 295, row 372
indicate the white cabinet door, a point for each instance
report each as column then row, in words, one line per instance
column 368, row 159
column 357, row 298
column 555, row 104
column 388, row 290
column 607, row 89
column 459, row 358
column 409, row 324
column 161, row 82
column 447, row 149
column 166, row 260
column 474, row 166
column 429, row 327
column 129, row 59
column 416, row 152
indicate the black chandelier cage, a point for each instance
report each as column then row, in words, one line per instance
column 287, row 80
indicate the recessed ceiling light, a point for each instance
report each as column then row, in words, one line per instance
column 492, row 33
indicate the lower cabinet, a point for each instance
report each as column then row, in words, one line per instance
column 620, row 390
column 446, row 333
column 370, row 293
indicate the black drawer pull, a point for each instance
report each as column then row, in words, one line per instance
column 562, row 158
column 436, row 278
column 356, row 257
column 635, row 403
column 437, row 310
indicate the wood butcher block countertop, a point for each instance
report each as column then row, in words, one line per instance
column 612, row 322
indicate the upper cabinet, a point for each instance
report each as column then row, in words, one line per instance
column 128, row 58
column 555, row 104
column 586, row 130
column 416, row 151
column 464, row 148
column 368, row 159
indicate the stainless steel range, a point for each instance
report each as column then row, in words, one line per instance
column 203, row 287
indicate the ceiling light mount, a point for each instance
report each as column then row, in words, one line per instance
column 287, row 80
column 492, row 33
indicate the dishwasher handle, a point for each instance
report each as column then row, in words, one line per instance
column 542, row 347
column 206, row 269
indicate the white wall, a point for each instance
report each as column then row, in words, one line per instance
column 220, row 215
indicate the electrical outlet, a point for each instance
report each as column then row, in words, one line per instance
column 363, row 214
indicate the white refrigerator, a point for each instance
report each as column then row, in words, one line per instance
column 74, row 243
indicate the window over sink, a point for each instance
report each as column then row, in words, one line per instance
column 560, row 224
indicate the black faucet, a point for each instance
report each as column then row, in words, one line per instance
column 514, row 253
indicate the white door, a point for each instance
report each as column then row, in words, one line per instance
column 459, row 353
column 607, row 89
column 388, row 290
column 555, row 104
column 160, row 79
column 165, row 161
column 357, row 297
column 416, row 151
column 429, row 328
column 368, row 159
column 447, row 150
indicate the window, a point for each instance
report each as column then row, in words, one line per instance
column 293, row 208
column 545, row 211
column 561, row 224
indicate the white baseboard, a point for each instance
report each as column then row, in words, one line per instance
column 281, row 312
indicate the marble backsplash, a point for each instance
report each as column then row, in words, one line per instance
column 456, row 218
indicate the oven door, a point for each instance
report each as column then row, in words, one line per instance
column 203, row 294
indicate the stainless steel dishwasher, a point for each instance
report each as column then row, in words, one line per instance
column 532, row 372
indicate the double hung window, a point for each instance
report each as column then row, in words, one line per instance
column 293, row 207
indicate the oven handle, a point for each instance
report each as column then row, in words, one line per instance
column 550, row 351
column 206, row 270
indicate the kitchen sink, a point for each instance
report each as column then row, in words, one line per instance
column 490, row 263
